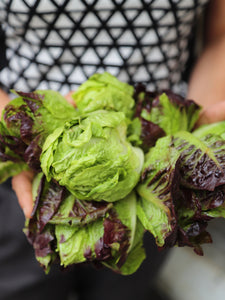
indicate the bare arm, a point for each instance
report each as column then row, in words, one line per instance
column 207, row 83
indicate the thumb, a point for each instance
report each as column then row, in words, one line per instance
column 213, row 113
column 22, row 185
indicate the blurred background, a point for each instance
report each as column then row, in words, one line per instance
column 186, row 275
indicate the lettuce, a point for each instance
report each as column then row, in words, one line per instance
column 104, row 91
column 26, row 122
column 122, row 162
column 183, row 186
column 161, row 114
column 75, row 231
column 203, row 164
column 91, row 157
column 157, row 190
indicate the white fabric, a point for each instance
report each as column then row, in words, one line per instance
column 159, row 61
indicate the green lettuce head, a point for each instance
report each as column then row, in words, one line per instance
column 91, row 157
column 104, row 91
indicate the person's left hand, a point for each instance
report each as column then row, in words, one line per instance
column 212, row 114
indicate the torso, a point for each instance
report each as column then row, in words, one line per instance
column 59, row 46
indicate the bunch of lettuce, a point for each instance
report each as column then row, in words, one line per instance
column 96, row 221
column 122, row 162
column 84, row 203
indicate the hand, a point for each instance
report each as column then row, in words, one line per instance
column 211, row 114
column 22, row 183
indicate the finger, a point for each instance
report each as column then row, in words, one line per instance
column 69, row 98
column 212, row 114
column 22, row 185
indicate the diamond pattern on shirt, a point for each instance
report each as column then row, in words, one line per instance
column 60, row 43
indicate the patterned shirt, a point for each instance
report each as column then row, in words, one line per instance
column 58, row 44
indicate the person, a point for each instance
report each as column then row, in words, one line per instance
column 57, row 45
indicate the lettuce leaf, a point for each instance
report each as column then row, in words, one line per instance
column 75, row 231
column 161, row 114
column 76, row 212
column 157, row 190
column 214, row 129
column 105, row 239
column 10, row 169
column 26, row 121
column 104, row 91
column 137, row 253
column 202, row 162
column 173, row 113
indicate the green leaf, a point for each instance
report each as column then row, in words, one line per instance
column 218, row 212
column 135, row 256
column 155, row 208
column 74, row 242
column 9, row 169
column 104, row 91
column 172, row 113
column 74, row 212
column 202, row 162
column 214, row 129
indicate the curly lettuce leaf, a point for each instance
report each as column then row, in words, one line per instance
column 214, row 129
column 161, row 114
column 47, row 197
column 91, row 157
column 173, row 113
column 104, row 91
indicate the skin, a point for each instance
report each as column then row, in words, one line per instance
column 207, row 82
column 206, row 87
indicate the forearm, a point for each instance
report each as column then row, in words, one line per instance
column 207, row 82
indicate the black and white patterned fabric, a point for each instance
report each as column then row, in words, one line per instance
column 58, row 44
